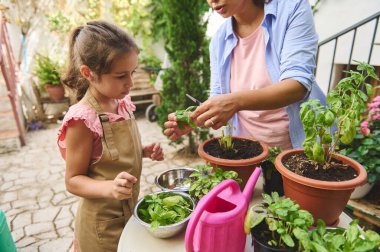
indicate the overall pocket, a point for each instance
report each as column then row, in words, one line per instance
column 109, row 232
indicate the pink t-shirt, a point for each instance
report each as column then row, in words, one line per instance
column 269, row 126
column 90, row 118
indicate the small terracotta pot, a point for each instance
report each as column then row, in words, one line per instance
column 56, row 92
column 244, row 167
column 323, row 199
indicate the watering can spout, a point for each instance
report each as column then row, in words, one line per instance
column 248, row 189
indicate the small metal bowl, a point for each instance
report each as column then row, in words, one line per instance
column 174, row 179
column 165, row 231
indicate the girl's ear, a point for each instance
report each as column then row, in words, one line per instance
column 86, row 72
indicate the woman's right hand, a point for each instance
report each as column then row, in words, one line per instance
column 121, row 186
column 172, row 130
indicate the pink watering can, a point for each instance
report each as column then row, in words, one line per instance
column 217, row 223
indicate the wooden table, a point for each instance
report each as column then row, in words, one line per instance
column 135, row 238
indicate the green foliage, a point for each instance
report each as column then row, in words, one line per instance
column 225, row 141
column 353, row 238
column 283, row 217
column 187, row 47
column 366, row 151
column 204, row 180
column 342, row 111
column 47, row 70
column 183, row 117
column 164, row 209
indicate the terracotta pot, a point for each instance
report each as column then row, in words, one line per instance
column 56, row 92
column 244, row 167
column 323, row 199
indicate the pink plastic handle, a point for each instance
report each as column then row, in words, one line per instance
column 203, row 203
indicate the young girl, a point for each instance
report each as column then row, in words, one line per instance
column 262, row 67
column 99, row 138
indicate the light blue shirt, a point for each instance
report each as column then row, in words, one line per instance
column 290, row 51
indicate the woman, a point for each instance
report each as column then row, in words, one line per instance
column 262, row 63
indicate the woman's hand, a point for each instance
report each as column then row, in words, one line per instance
column 121, row 186
column 216, row 111
column 172, row 129
column 153, row 151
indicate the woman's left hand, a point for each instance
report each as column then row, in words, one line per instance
column 153, row 151
column 216, row 111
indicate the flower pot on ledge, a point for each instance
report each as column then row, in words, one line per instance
column 56, row 92
column 244, row 167
column 323, row 199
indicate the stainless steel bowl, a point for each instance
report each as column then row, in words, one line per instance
column 164, row 231
column 174, row 179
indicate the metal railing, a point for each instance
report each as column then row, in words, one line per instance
column 353, row 29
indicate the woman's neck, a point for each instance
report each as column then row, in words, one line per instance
column 248, row 20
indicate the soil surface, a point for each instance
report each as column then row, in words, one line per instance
column 243, row 149
column 300, row 164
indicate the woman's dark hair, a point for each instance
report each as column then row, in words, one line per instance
column 97, row 45
column 260, row 2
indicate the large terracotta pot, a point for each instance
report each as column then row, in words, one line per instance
column 323, row 199
column 244, row 167
column 56, row 92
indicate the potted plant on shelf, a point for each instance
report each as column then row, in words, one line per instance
column 233, row 153
column 316, row 177
column 274, row 223
column 365, row 147
column 48, row 73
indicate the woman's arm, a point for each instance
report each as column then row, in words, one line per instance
column 78, row 156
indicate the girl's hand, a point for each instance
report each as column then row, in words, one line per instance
column 122, row 186
column 154, row 152
column 172, row 129
column 216, row 111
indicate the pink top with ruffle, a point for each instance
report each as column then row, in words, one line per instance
column 90, row 118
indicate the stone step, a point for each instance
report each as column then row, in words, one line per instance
column 7, row 121
column 5, row 104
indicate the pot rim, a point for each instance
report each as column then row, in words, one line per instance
column 331, row 185
column 228, row 162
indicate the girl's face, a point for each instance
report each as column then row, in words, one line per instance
column 228, row 8
column 117, row 83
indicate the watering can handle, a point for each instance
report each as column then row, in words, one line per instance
column 248, row 189
column 203, row 203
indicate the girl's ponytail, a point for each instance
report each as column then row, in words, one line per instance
column 73, row 78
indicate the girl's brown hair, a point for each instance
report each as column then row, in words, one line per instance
column 97, row 45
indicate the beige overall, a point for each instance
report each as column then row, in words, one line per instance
column 99, row 222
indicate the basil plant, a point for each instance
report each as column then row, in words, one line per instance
column 327, row 125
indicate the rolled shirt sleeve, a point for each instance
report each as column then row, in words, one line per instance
column 297, row 59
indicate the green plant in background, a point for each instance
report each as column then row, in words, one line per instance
column 365, row 148
column 204, row 180
column 343, row 110
column 164, row 209
column 152, row 64
column 225, row 141
column 283, row 217
column 47, row 70
column 269, row 162
column 187, row 47
column 324, row 239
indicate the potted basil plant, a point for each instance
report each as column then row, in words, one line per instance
column 317, row 175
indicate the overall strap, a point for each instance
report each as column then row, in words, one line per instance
column 104, row 120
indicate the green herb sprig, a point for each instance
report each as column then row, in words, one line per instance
column 184, row 118
column 164, row 209
column 225, row 141
column 204, row 180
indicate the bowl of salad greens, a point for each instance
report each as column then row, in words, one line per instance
column 164, row 214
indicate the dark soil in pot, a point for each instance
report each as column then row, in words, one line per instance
column 260, row 238
column 300, row 164
column 244, row 149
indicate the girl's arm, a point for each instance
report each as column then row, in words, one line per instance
column 78, row 156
